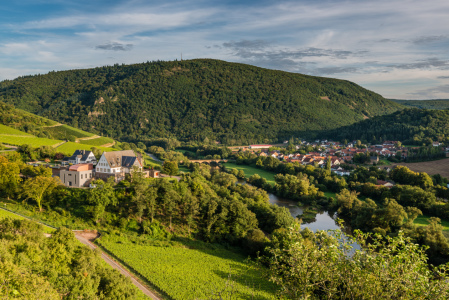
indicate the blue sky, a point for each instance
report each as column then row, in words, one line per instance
column 399, row 49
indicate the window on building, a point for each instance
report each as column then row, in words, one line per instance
column 81, row 176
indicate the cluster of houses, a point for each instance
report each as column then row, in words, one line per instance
column 80, row 169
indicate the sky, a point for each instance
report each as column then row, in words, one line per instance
column 397, row 48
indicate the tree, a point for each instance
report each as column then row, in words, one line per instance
column 36, row 188
column 101, row 196
column 309, row 265
column 191, row 209
column 9, row 177
column 169, row 201
column 170, row 168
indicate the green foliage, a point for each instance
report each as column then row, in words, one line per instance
column 424, row 104
column 411, row 126
column 203, row 100
column 318, row 266
column 59, row 267
column 70, row 147
column 170, row 167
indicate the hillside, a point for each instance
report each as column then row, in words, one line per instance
column 411, row 126
column 425, row 104
column 195, row 99
column 18, row 127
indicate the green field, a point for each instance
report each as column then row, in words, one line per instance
column 151, row 162
column 190, row 270
column 70, row 147
column 63, row 131
column 249, row 171
column 31, row 140
column 422, row 221
column 97, row 142
column 6, row 130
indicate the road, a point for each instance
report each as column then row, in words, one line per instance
column 153, row 157
column 116, row 266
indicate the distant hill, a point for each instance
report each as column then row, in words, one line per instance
column 411, row 126
column 193, row 100
column 425, row 104
column 18, row 127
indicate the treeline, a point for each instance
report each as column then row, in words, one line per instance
column 35, row 267
column 411, row 126
column 194, row 100
column 209, row 207
column 424, row 104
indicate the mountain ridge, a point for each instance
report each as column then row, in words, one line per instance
column 194, row 100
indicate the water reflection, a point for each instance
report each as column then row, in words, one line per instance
column 324, row 220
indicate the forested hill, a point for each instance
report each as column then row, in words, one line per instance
column 426, row 104
column 194, row 99
column 411, row 126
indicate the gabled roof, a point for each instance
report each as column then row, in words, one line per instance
column 81, row 154
column 124, row 158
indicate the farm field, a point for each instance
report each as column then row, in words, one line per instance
column 430, row 167
column 190, row 273
column 31, row 140
column 70, row 147
column 249, row 171
column 63, row 131
column 97, row 142
column 6, row 130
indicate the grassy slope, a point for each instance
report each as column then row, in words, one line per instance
column 249, row 171
column 191, row 271
column 31, row 140
column 6, row 130
column 7, row 214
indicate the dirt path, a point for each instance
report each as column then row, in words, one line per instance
column 108, row 145
column 89, row 138
column 86, row 240
column 56, row 125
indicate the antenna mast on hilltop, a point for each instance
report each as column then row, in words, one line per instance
column 181, row 56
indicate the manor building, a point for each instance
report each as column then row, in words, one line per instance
column 117, row 164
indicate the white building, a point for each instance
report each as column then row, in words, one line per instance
column 117, row 163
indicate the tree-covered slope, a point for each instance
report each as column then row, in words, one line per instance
column 194, row 99
column 412, row 126
column 425, row 104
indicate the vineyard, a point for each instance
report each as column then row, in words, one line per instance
column 6, row 130
column 70, row 147
column 64, row 131
column 192, row 271
column 97, row 142
column 30, row 140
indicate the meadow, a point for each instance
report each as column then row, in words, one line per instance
column 189, row 269
column 422, row 221
column 249, row 171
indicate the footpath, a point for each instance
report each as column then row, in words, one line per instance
column 86, row 238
